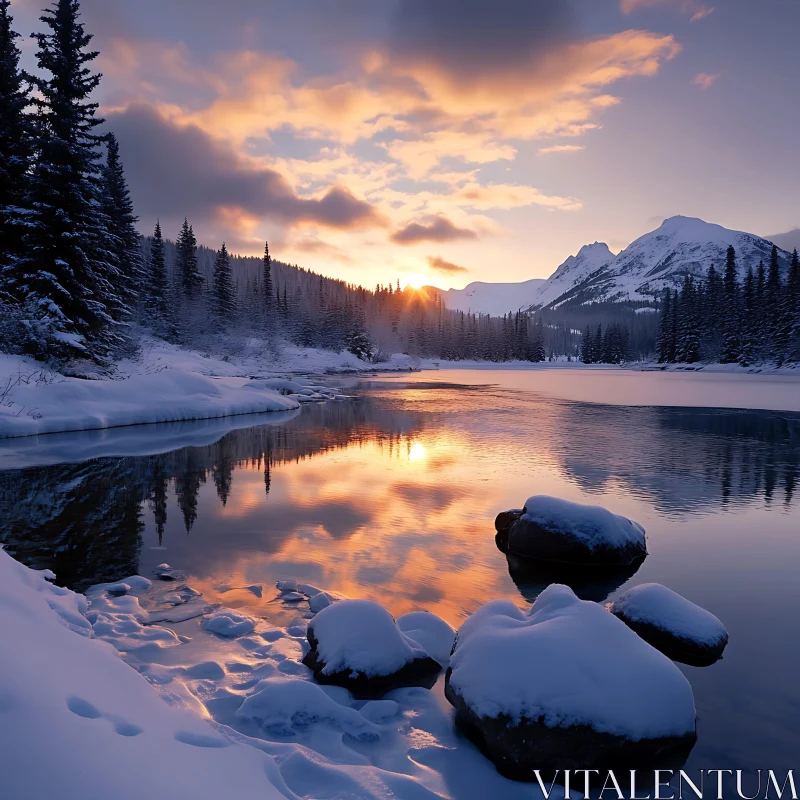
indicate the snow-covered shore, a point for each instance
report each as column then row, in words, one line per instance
column 205, row 711
column 164, row 384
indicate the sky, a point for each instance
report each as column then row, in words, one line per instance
column 447, row 141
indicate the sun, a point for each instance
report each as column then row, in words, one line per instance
column 415, row 280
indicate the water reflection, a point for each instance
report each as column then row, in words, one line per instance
column 395, row 491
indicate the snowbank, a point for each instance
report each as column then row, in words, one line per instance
column 80, row 723
column 242, row 718
column 568, row 662
column 671, row 623
column 75, row 404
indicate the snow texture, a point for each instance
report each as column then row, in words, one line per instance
column 229, row 623
column 568, row 662
column 360, row 636
column 592, row 525
column 432, row 633
column 86, row 724
column 75, row 404
column 657, row 605
column 82, row 724
column 282, row 706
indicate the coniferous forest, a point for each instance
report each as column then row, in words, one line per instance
column 77, row 281
column 731, row 321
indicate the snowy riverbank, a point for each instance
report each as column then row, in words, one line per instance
column 166, row 384
column 182, row 731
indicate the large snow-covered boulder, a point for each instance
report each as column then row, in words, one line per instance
column 551, row 529
column 566, row 685
column 672, row 624
column 357, row 644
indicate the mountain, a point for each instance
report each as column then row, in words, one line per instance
column 492, row 298
column 788, row 241
column 574, row 271
column 661, row 258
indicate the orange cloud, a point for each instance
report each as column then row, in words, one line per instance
column 561, row 148
column 705, row 79
column 440, row 265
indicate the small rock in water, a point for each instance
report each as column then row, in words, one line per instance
column 356, row 644
column 551, row 529
column 672, row 624
column 566, row 685
column 292, row 597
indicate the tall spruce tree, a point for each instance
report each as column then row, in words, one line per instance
column 67, row 271
column 186, row 262
column 224, row 305
column 16, row 152
column 732, row 317
column 750, row 330
column 157, row 283
column 123, row 237
column 665, row 329
column 773, row 302
column 794, row 307
column 266, row 282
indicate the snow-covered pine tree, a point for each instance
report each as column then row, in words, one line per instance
column 731, row 323
column 773, row 305
column 157, row 282
column 266, row 282
column 186, row 261
column 66, row 271
column 664, row 329
column 16, row 152
column 224, row 305
column 750, row 331
column 123, row 237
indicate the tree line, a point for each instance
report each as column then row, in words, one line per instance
column 725, row 319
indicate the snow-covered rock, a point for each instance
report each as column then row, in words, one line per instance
column 357, row 644
column 672, row 624
column 551, row 529
column 429, row 631
column 565, row 685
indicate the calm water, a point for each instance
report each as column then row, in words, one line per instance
column 392, row 495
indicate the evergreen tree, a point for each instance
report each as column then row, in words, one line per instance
column 773, row 306
column 731, row 320
column 750, row 330
column 66, row 270
column 157, row 283
column 186, row 261
column 123, row 238
column 224, row 305
column 665, row 329
column 266, row 284
column 793, row 320
column 687, row 347
column 16, row 151
column 537, row 347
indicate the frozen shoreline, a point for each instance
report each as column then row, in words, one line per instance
column 194, row 718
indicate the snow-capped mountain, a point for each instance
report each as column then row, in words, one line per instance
column 662, row 258
column 492, row 298
column 574, row 271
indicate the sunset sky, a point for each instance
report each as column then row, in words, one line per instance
column 445, row 141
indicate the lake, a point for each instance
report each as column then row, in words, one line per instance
column 392, row 495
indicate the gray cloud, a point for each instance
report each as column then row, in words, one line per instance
column 176, row 171
column 439, row 229
column 439, row 264
column 465, row 37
